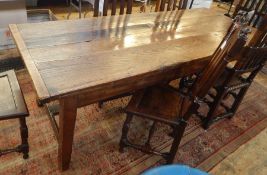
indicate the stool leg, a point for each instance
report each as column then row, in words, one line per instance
column 24, row 147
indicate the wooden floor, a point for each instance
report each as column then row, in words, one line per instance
column 249, row 159
column 62, row 11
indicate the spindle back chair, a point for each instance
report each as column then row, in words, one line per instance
column 172, row 5
column 258, row 7
column 112, row 4
column 236, row 80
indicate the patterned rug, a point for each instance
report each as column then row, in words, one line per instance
column 97, row 134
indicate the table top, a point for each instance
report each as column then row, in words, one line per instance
column 65, row 57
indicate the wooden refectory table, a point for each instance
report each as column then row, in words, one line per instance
column 80, row 62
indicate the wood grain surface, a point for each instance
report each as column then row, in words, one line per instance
column 66, row 57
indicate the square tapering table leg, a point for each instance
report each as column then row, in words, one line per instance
column 67, row 118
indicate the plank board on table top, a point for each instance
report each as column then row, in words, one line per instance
column 119, row 39
column 134, row 34
column 115, row 65
column 78, row 54
column 51, row 34
column 59, row 27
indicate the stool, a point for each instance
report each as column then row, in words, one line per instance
column 12, row 106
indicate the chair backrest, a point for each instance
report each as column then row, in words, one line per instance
column 231, row 45
column 183, row 4
column 252, row 59
column 128, row 4
column 259, row 8
column 249, row 60
column 260, row 36
column 171, row 5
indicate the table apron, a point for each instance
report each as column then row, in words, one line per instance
column 138, row 82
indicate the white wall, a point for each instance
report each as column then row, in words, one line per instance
column 200, row 3
column 11, row 12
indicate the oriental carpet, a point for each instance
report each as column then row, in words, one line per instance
column 97, row 134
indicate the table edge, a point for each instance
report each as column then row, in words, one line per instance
column 37, row 80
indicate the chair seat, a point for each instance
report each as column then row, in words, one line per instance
column 12, row 104
column 161, row 103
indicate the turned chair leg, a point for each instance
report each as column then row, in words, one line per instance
column 172, row 134
column 208, row 120
column 151, row 132
column 39, row 104
column 178, row 134
column 125, row 130
column 100, row 104
column 238, row 100
column 24, row 147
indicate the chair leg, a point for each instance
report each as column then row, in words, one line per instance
column 172, row 133
column 151, row 132
column 24, row 147
column 80, row 9
column 125, row 130
column 100, row 104
column 238, row 100
column 85, row 12
column 39, row 104
column 178, row 134
column 208, row 119
column 69, row 9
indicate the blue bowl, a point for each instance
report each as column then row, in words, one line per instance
column 174, row 169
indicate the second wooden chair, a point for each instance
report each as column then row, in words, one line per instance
column 236, row 80
column 257, row 7
column 162, row 5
